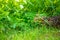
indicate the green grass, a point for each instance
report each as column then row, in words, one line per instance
column 20, row 14
column 41, row 33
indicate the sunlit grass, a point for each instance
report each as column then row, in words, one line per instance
column 32, row 34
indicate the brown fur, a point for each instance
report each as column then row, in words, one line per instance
column 54, row 21
column 51, row 21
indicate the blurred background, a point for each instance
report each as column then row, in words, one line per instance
column 28, row 19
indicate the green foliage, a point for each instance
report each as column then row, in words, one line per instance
column 19, row 14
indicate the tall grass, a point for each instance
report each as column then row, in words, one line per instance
column 41, row 33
